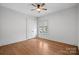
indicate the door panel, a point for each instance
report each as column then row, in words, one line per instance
column 31, row 27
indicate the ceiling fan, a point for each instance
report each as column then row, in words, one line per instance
column 39, row 6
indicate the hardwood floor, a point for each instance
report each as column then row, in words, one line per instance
column 38, row 46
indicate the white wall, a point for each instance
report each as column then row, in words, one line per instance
column 78, row 25
column 12, row 26
column 16, row 26
column 31, row 27
column 62, row 25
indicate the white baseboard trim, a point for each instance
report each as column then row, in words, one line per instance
column 11, row 42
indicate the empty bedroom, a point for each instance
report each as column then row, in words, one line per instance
column 39, row 28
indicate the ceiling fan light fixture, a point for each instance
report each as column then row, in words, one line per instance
column 38, row 9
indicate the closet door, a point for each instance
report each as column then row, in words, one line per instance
column 31, row 27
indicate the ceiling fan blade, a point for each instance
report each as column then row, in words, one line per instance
column 44, row 9
column 33, row 5
column 42, row 4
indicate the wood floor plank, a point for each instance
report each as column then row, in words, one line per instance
column 38, row 46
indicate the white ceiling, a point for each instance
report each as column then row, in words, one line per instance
column 26, row 8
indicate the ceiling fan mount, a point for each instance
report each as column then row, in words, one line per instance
column 39, row 6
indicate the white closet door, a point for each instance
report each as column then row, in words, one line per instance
column 31, row 27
